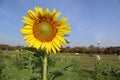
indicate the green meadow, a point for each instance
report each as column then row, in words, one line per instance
column 25, row 65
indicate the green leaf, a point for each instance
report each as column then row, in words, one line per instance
column 67, row 75
column 12, row 73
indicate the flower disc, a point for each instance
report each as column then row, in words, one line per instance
column 44, row 31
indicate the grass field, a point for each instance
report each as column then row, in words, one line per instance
column 85, row 64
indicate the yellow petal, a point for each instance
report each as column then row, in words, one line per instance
column 65, row 26
column 47, row 11
column 28, row 26
column 32, row 14
column 53, row 13
column 57, row 48
column 32, row 42
column 56, row 16
column 48, row 47
column 40, row 11
column 43, row 45
column 63, row 30
column 61, row 21
column 60, row 33
column 28, row 41
column 53, row 49
column 27, row 20
column 61, row 40
column 56, row 42
column 26, row 31
column 28, row 36
column 37, row 44
column 37, row 11
column 47, row 51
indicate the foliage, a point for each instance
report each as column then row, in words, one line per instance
column 27, row 65
column 12, row 73
column 106, row 71
column 98, row 71
column 61, row 69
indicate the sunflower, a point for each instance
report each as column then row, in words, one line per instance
column 43, row 29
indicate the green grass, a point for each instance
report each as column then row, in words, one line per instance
column 85, row 64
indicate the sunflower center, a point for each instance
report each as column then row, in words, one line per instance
column 44, row 31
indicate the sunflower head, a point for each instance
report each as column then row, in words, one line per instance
column 43, row 29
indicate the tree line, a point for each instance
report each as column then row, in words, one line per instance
column 87, row 50
column 6, row 47
column 92, row 50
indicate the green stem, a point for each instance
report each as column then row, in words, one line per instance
column 45, row 67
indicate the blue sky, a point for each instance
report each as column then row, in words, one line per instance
column 91, row 20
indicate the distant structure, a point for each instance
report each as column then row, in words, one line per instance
column 99, row 43
column 98, row 46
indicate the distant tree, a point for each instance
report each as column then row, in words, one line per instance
column 93, row 49
column 66, row 49
column 84, row 50
column 8, row 47
column 76, row 50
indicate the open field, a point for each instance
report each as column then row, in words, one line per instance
column 84, row 65
column 87, row 64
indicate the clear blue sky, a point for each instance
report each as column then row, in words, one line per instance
column 91, row 20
